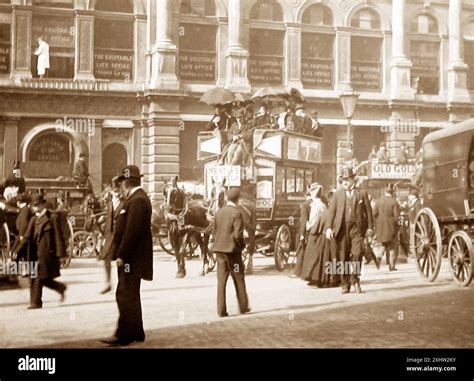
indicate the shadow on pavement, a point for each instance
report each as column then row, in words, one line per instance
column 416, row 321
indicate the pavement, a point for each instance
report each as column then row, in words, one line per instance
column 397, row 310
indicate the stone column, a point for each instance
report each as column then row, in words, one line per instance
column 293, row 56
column 150, row 36
column 84, row 46
column 341, row 152
column 164, row 51
column 10, row 143
column 237, row 56
column 95, row 154
column 21, row 43
column 400, row 65
column 343, row 59
column 160, row 154
column 139, row 48
column 457, row 69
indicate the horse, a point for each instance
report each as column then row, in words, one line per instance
column 186, row 220
column 246, row 207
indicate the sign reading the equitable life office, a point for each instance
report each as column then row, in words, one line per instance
column 392, row 171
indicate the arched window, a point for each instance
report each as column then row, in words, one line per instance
column 49, row 155
column 317, row 14
column 317, row 53
column 424, row 53
column 266, row 43
column 57, row 30
column 113, row 40
column 197, row 41
column 366, row 51
column 5, row 42
column 469, row 53
column 267, row 10
column 366, row 18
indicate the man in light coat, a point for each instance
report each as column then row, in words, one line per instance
column 43, row 57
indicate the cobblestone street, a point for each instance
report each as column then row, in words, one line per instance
column 397, row 309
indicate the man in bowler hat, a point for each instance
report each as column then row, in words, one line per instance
column 228, row 245
column 134, row 255
column 348, row 220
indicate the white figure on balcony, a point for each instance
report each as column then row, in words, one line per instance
column 42, row 51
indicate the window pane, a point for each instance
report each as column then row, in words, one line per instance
column 469, row 59
column 113, row 49
column 366, row 63
column 366, row 19
column 266, row 56
column 4, row 48
column 267, row 10
column 317, row 61
column 425, row 59
column 58, row 33
column 197, row 52
column 120, row 6
column 317, row 15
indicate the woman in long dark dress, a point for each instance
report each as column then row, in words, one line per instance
column 320, row 256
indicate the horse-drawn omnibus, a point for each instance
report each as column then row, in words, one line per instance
column 282, row 165
column 445, row 223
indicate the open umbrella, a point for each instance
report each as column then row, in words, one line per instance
column 269, row 92
column 217, row 96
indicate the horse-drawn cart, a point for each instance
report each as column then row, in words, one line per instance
column 445, row 223
column 282, row 165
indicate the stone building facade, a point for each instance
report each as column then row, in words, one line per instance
column 126, row 76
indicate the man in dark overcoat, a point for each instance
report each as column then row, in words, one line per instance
column 228, row 244
column 349, row 218
column 45, row 246
column 386, row 212
column 134, row 255
column 22, row 220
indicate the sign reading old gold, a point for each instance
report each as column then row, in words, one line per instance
column 392, row 171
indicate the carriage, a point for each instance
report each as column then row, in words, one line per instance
column 282, row 165
column 445, row 223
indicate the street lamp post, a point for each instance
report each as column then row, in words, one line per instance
column 348, row 102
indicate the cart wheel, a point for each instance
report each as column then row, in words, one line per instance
column 70, row 246
column 84, row 244
column 460, row 256
column 282, row 247
column 5, row 242
column 427, row 244
column 164, row 241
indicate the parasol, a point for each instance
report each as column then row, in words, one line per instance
column 217, row 96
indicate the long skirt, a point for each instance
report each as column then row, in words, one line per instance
column 319, row 261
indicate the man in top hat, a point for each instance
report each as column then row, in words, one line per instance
column 386, row 212
column 302, row 123
column 349, row 218
column 228, row 245
column 134, row 254
column 81, row 170
column 22, row 220
column 16, row 179
column 45, row 245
